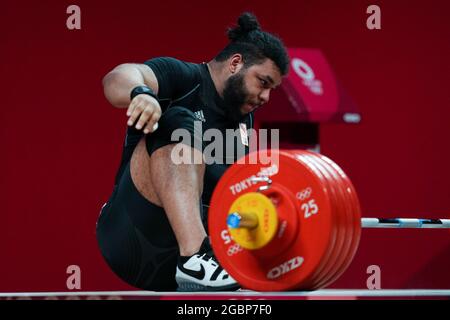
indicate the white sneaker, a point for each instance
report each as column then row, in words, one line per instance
column 202, row 272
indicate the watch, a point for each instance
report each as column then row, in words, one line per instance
column 143, row 90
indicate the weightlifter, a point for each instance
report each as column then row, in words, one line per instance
column 152, row 230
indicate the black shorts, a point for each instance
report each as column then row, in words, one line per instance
column 134, row 235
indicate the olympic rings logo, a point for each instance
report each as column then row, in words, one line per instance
column 234, row 249
column 304, row 194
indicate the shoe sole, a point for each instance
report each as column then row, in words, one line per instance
column 194, row 287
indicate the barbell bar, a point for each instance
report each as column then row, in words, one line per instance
column 414, row 223
column 244, row 220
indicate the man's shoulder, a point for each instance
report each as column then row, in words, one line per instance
column 175, row 77
column 166, row 61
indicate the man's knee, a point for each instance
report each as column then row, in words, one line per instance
column 175, row 118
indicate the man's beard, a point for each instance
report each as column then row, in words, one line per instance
column 235, row 95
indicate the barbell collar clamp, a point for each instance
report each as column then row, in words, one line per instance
column 242, row 220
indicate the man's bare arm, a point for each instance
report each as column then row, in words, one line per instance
column 118, row 83
column 144, row 111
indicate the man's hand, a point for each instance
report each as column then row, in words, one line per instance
column 144, row 111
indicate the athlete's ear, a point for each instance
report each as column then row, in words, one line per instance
column 236, row 63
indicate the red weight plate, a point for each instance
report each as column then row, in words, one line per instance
column 294, row 265
column 341, row 223
column 346, row 212
column 330, row 256
column 352, row 197
column 347, row 202
column 343, row 241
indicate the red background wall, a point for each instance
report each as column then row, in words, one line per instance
column 61, row 140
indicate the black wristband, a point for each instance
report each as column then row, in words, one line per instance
column 143, row 90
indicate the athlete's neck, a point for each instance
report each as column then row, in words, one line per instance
column 218, row 75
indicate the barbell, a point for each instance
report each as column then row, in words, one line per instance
column 294, row 223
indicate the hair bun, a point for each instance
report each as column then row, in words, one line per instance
column 247, row 22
